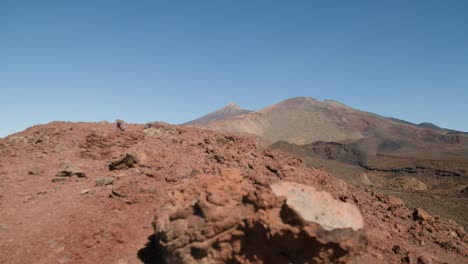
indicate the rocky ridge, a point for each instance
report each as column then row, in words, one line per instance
column 192, row 180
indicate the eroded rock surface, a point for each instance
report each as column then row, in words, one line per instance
column 231, row 220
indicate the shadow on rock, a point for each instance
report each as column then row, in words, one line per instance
column 150, row 254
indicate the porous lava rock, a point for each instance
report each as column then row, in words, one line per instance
column 230, row 220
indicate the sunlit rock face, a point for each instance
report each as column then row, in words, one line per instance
column 319, row 207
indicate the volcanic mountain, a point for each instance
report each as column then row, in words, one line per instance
column 306, row 120
column 226, row 112
column 422, row 163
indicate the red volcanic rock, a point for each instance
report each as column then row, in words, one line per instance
column 421, row 215
column 197, row 183
column 228, row 219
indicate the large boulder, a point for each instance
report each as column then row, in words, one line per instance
column 229, row 219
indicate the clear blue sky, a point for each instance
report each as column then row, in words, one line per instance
column 176, row 60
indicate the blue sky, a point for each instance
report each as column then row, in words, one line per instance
column 176, row 60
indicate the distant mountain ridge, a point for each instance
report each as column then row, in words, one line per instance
column 226, row 112
column 305, row 120
column 416, row 161
column 429, row 125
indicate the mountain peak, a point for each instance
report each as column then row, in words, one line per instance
column 228, row 111
column 233, row 105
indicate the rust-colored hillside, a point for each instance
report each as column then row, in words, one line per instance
column 107, row 193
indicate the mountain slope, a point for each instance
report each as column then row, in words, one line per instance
column 226, row 112
column 297, row 120
column 306, row 120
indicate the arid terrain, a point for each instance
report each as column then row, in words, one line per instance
column 305, row 120
column 233, row 132
column 439, row 186
column 425, row 165
column 158, row 193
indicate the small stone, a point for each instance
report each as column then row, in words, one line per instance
column 378, row 256
column 394, row 202
column 464, row 191
column 454, row 234
column 69, row 171
column 396, row 249
column 58, row 179
column 104, row 181
column 125, row 162
column 85, row 191
column 118, row 194
column 89, row 242
column 64, row 174
column 121, row 124
column 421, row 215
column 80, row 174
column 425, row 259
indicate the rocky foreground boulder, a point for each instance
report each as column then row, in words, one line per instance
column 229, row 220
column 162, row 193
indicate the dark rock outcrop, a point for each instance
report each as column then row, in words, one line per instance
column 126, row 162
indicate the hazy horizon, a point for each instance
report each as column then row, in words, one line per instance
column 176, row 61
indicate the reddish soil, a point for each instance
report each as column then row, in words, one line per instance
column 87, row 193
